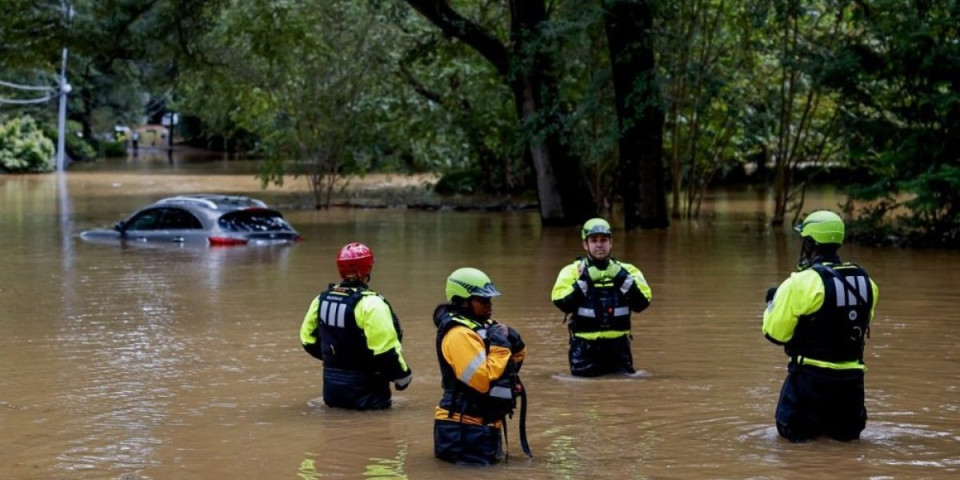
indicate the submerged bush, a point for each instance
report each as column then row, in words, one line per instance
column 24, row 147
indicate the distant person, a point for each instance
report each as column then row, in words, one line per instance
column 357, row 336
column 135, row 140
column 598, row 292
column 821, row 315
column 479, row 361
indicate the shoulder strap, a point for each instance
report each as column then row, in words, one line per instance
column 842, row 280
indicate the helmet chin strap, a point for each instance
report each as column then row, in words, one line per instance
column 807, row 250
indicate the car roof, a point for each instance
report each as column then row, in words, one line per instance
column 222, row 203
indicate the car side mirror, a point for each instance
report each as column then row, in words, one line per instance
column 120, row 226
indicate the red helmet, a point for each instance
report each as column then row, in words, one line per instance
column 355, row 259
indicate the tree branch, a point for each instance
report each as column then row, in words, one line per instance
column 455, row 25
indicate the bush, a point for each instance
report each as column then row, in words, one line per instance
column 24, row 147
column 463, row 181
column 111, row 148
column 77, row 148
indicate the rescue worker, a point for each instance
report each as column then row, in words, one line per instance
column 598, row 292
column 354, row 331
column 479, row 361
column 821, row 315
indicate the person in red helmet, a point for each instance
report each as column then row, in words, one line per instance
column 356, row 334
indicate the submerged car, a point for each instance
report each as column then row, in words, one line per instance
column 216, row 220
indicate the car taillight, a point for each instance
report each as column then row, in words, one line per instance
column 225, row 241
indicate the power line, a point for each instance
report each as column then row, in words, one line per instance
column 15, row 101
column 27, row 87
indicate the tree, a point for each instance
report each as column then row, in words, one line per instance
column 307, row 79
column 639, row 110
column 805, row 122
column 708, row 64
column 527, row 66
column 899, row 82
column 119, row 51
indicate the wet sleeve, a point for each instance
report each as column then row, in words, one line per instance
column 800, row 294
column 638, row 293
column 463, row 349
column 565, row 295
column 376, row 320
column 308, row 330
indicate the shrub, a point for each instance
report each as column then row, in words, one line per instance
column 24, row 147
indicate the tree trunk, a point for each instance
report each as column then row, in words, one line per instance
column 565, row 197
column 639, row 111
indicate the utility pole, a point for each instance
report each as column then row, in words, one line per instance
column 62, row 117
column 64, row 90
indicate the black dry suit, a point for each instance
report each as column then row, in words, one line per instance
column 599, row 320
column 353, row 377
column 469, row 434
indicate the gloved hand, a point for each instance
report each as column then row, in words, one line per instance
column 770, row 293
column 517, row 347
column 516, row 343
column 401, row 384
column 584, row 282
column 623, row 280
column 498, row 334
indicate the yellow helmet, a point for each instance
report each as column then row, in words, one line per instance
column 823, row 226
column 595, row 226
column 469, row 282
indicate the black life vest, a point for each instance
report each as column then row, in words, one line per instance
column 342, row 341
column 605, row 308
column 458, row 397
column 837, row 332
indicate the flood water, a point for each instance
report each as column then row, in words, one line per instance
column 184, row 363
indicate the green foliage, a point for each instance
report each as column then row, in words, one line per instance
column 463, row 180
column 310, row 80
column 78, row 148
column 110, row 148
column 24, row 148
column 901, row 107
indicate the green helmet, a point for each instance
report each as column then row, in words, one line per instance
column 595, row 226
column 823, row 226
column 469, row 282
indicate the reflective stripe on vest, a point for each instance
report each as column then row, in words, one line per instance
column 857, row 288
column 590, row 313
column 333, row 310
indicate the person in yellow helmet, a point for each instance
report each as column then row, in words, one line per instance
column 598, row 292
column 821, row 316
column 479, row 361
column 354, row 331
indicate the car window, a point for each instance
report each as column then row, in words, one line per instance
column 254, row 220
column 179, row 219
column 145, row 220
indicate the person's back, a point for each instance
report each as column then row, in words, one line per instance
column 821, row 315
column 357, row 336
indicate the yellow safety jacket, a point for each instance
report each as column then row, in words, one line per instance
column 604, row 310
column 353, row 328
column 821, row 315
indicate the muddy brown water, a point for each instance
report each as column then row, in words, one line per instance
column 184, row 363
